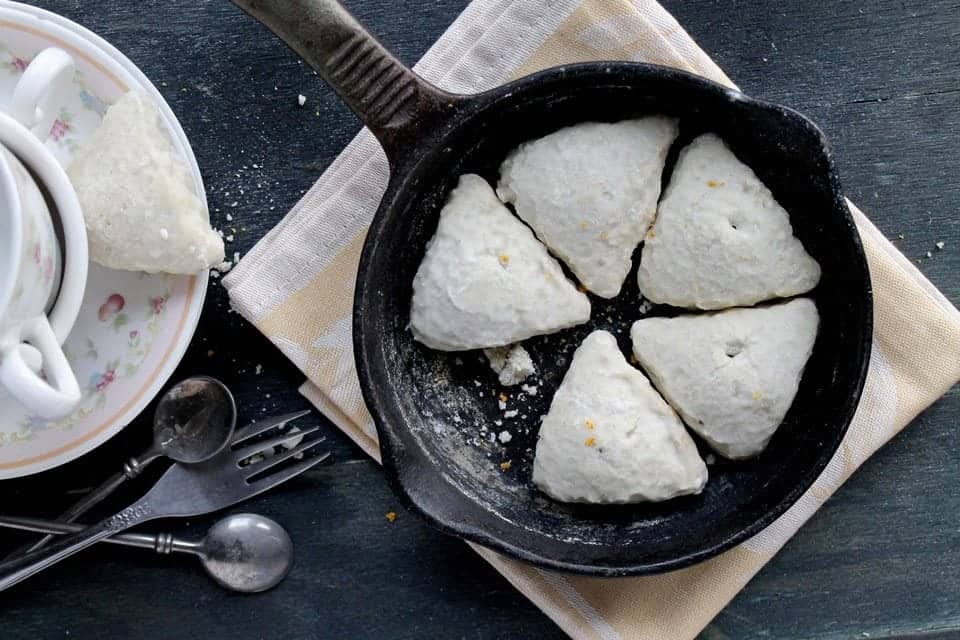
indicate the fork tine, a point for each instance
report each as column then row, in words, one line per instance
column 270, row 443
column 261, row 426
column 258, row 427
column 269, row 463
column 270, row 481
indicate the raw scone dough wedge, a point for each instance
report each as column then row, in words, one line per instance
column 138, row 198
column 610, row 438
column 733, row 374
column 590, row 193
column 486, row 281
column 721, row 239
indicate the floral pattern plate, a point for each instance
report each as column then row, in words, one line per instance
column 133, row 328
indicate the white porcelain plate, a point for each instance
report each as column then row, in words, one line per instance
column 133, row 328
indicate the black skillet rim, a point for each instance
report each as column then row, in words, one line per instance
column 394, row 452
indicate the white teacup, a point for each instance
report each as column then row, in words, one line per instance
column 41, row 279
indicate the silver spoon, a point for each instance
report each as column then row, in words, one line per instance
column 242, row 552
column 193, row 422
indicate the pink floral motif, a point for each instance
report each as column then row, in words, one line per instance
column 19, row 64
column 48, row 268
column 158, row 303
column 111, row 307
column 106, row 379
column 59, row 129
column 134, row 334
column 37, row 252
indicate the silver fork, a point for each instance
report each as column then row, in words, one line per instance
column 185, row 491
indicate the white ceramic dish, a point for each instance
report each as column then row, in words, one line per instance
column 133, row 328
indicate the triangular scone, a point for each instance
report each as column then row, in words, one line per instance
column 610, row 438
column 590, row 193
column 486, row 281
column 137, row 195
column 733, row 374
column 721, row 239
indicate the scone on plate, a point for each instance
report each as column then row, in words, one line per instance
column 486, row 281
column 590, row 192
column 610, row 438
column 138, row 198
column 733, row 374
column 720, row 238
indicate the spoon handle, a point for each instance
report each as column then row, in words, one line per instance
column 162, row 543
column 131, row 469
column 16, row 570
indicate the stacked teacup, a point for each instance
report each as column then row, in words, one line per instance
column 43, row 245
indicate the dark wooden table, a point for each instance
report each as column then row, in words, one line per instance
column 881, row 559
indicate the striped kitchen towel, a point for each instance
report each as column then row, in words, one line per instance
column 296, row 286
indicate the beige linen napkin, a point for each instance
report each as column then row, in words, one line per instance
column 296, row 286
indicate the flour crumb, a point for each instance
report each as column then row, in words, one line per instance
column 511, row 363
column 511, row 414
column 301, row 99
column 530, row 389
column 940, row 245
column 929, row 255
column 258, row 369
column 293, row 442
column 505, row 437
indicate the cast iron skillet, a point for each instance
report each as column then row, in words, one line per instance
column 430, row 407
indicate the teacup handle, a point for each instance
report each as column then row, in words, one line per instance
column 53, row 399
column 33, row 98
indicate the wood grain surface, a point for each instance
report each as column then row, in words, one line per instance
column 880, row 560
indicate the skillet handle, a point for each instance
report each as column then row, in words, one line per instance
column 393, row 102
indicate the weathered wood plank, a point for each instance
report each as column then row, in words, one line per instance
column 880, row 558
column 356, row 575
